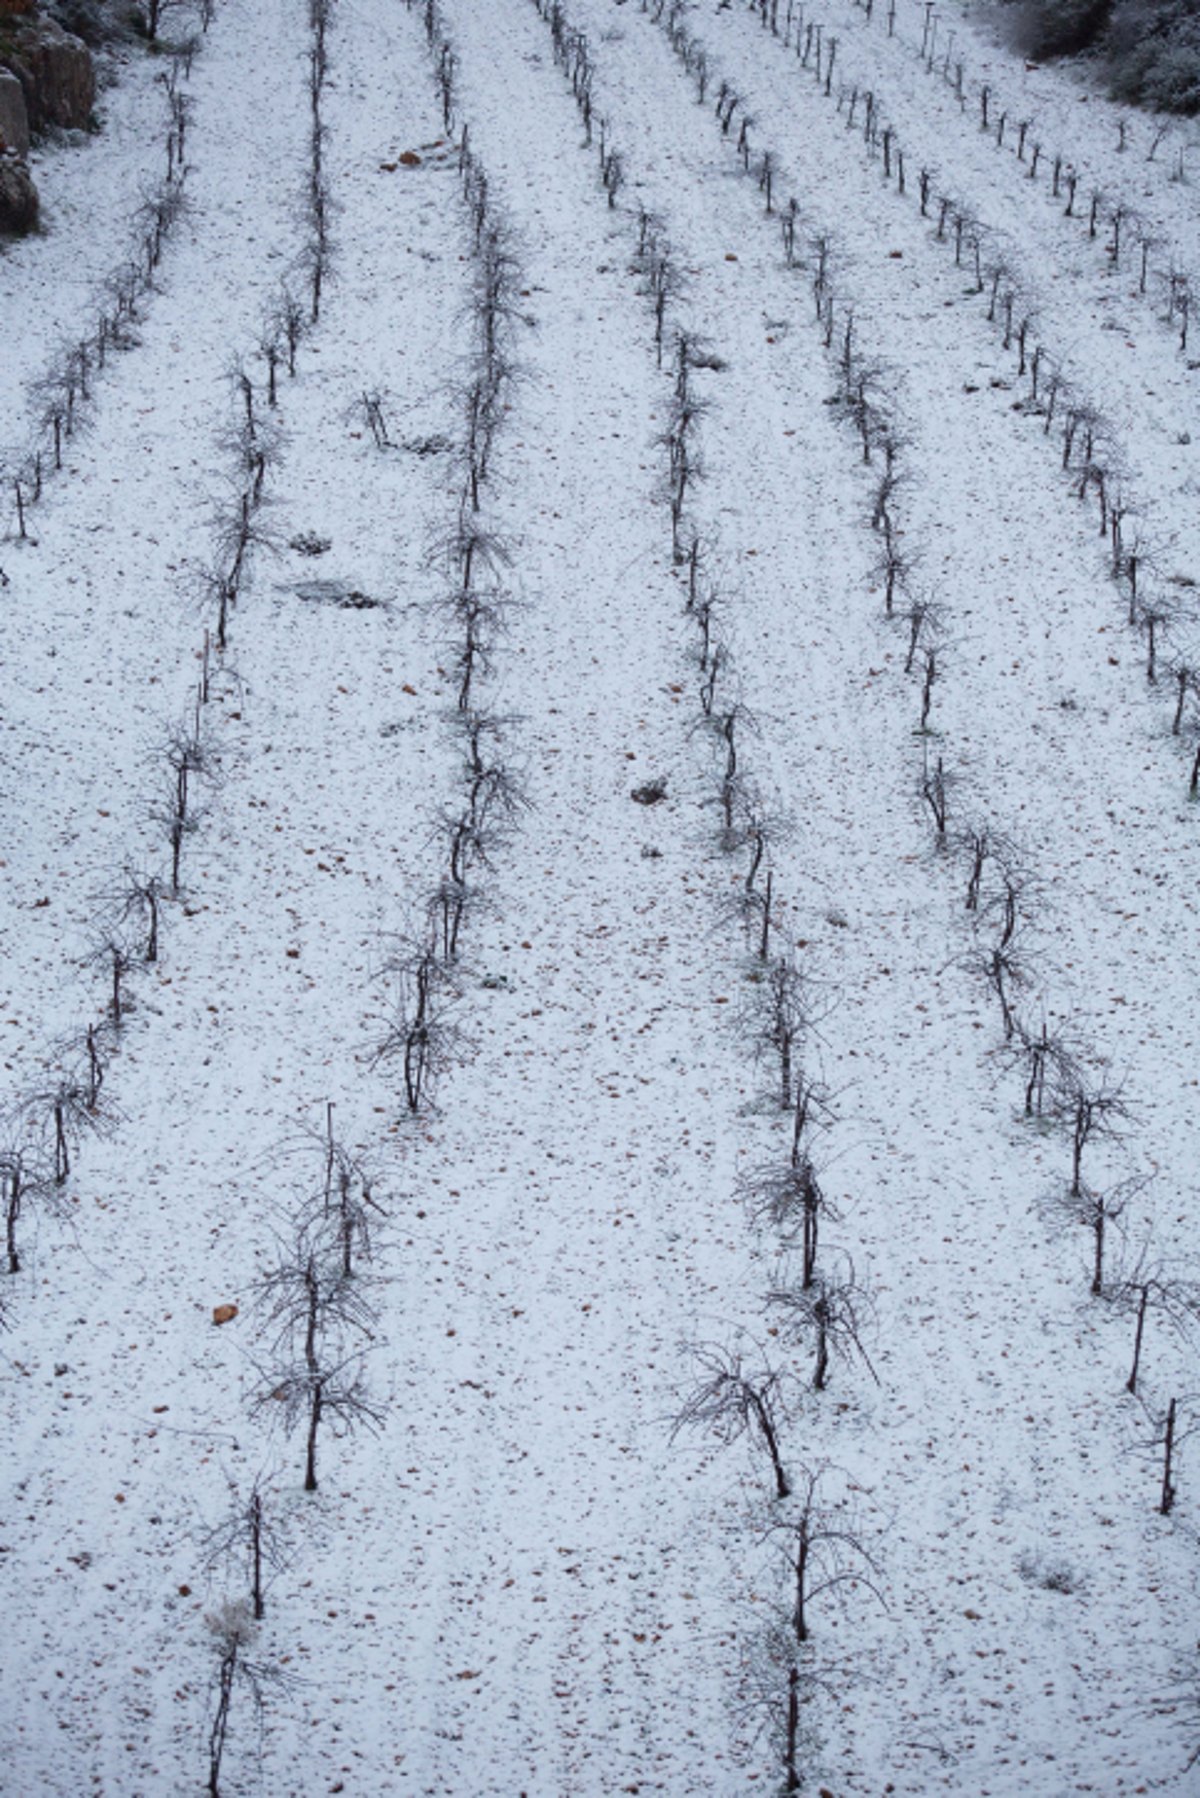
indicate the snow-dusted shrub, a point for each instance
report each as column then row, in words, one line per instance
column 420, row 1034
column 149, row 18
column 90, row 20
column 1155, row 54
column 1054, row 1573
column 1153, row 46
column 788, row 1198
column 731, row 1399
column 234, row 1632
column 320, row 1322
column 24, row 1178
column 1057, row 27
column 829, row 1316
column 187, row 759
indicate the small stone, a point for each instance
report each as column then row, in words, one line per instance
column 651, row 793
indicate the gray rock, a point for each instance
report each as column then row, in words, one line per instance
column 14, row 120
column 337, row 593
column 18, row 196
column 55, row 71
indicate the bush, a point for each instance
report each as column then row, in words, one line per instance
column 1053, row 1573
column 1154, row 51
column 90, row 20
column 1042, row 28
column 1152, row 46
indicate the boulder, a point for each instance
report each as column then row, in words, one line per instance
column 55, row 71
column 18, row 196
column 14, row 120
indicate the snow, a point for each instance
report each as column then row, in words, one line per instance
column 529, row 1580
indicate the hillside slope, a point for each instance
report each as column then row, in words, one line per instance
column 656, row 701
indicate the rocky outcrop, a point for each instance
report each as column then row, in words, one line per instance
column 54, row 69
column 14, row 120
column 18, row 196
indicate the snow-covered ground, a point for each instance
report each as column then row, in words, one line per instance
column 525, row 1577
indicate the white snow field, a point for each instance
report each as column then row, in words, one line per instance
column 557, row 809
